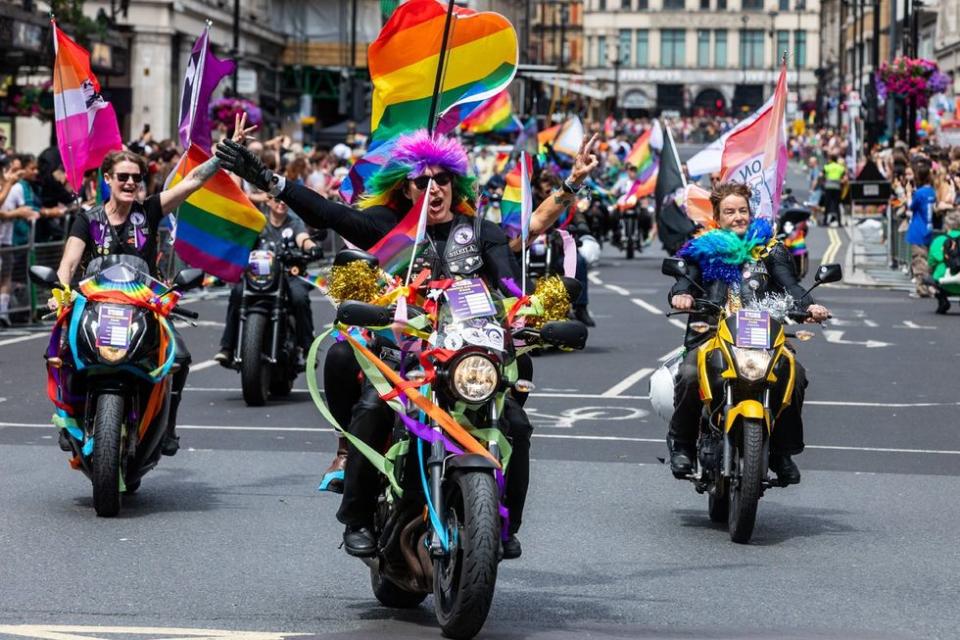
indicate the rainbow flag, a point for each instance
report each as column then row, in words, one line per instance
column 493, row 116
column 565, row 138
column 515, row 194
column 217, row 226
column 396, row 249
column 86, row 124
column 480, row 61
column 642, row 157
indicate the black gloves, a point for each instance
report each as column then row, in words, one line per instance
column 236, row 158
column 315, row 252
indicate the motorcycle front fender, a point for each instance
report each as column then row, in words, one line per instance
column 746, row 409
column 469, row 462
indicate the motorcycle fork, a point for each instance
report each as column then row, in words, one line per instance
column 275, row 328
column 438, row 454
column 238, row 348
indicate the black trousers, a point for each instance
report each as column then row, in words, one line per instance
column 372, row 421
column 787, row 437
column 184, row 359
column 299, row 301
column 831, row 203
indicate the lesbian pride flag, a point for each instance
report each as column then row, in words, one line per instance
column 86, row 125
column 217, row 226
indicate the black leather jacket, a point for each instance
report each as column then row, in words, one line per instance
column 782, row 279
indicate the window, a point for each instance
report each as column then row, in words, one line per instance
column 672, row 49
column 752, row 5
column 625, row 4
column 643, row 48
column 705, row 5
column 751, row 48
column 673, row 4
column 703, row 48
column 800, row 46
column 623, row 47
column 784, row 5
column 602, row 5
column 720, row 49
column 642, row 5
column 602, row 51
column 783, row 45
column 721, row 5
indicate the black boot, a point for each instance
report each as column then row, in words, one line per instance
column 682, row 455
column 512, row 548
column 786, row 469
column 359, row 542
column 581, row 313
column 171, row 442
column 943, row 303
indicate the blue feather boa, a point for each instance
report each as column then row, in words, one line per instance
column 720, row 252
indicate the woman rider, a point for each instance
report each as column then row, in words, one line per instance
column 475, row 249
column 705, row 259
column 125, row 226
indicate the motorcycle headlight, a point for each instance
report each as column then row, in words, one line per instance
column 752, row 363
column 475, row 378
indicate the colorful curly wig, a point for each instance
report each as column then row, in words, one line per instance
column 409, row 158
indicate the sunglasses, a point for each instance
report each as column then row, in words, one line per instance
column 123, row 177
column 442, row 179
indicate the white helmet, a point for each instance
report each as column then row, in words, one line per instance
column 589, row 249
column 662, row 384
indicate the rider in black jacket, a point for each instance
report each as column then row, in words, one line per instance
column 731, row 210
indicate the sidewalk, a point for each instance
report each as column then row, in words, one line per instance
column 866, row 262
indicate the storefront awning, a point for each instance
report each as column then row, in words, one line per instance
column 584, row 85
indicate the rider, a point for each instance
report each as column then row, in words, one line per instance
column 283, row 229
column 391, row 192
column 125, row 226
column 731, row 211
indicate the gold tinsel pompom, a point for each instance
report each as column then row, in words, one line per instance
column 354, row 281
column 553, row 296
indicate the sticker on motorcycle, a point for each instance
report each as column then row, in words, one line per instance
column 113, row 326
column 753, row 329
column 469, row 299
column 486, row 335
column 260, row 262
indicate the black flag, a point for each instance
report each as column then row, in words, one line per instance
column 673, row 225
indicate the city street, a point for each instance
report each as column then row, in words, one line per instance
column 232, row 534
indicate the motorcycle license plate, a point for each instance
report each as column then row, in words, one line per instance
column 260, row 262
column 113, row 326
column 753, row 329
column 469, row 299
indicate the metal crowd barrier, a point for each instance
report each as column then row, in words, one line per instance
column 899, row 248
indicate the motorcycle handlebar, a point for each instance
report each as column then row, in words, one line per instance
column 186, row 313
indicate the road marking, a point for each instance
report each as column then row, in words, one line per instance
column 199, row 323
column 626, row 383
column 594, row 277
column 206, row 364
column 910, row 324
column 643, row 304
column 579, row 396
column 570, row 417
column 64, row 632
column 835, row 243
column 836, row 337
column 32, row 336
column 617, row 289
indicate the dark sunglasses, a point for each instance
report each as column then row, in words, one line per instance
column 442, row 179
column 123, row 177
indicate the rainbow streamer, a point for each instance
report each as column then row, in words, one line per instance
column 151, row 294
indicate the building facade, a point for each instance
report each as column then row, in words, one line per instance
column 701, row 57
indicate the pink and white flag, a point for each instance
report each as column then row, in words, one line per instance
column 86, row 124
column 754, row 153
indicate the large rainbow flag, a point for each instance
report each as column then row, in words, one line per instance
column 217, row 226
column 396, row 249
column 515, row 194
column 86, row 124
column 480, row 61
column 493, row 116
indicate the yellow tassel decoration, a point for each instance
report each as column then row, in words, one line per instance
column 554, row 299
column 354, row 281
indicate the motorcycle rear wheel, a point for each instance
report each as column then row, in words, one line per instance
column 254, row 373
column 463, row 583
column 107, row 428
column 745, row 495
column 391, row 595
column 718, row 505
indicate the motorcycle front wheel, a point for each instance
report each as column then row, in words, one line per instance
column 744, row 492
column 254, row 373
column 107, row 429
column 464, row 580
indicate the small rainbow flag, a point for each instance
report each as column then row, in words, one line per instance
column 565, row 138
column 217, row 226
column 396, row 249
column 511, row 206
column 642, row 157
column 493, row 116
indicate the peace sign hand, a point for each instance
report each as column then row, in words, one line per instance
column 585, row 161
column 240, row 128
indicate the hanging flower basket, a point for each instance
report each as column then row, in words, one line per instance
column 32, row 100
column 916, row 79
column 223, row 112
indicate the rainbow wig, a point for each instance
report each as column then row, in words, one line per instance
column 720, row 252
column 409, row 158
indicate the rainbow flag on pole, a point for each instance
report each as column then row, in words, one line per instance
column 396, row 249
column 86, row 124
column 217, row 226
column 480, row 61
column 517, row 197
column 645, row 160
column 494, row 115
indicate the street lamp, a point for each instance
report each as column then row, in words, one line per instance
column 773, row 35
column 743, row 46
column 616, row 80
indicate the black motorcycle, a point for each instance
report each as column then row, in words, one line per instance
column 267, row 354
column 112, row 360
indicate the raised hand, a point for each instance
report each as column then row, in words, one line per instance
column 236, row 158
column 585, row 162
column 240, row 128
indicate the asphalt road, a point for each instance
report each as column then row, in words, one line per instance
column 231, row 534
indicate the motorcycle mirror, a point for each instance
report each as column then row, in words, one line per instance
column 674, row 267
column 346, row 256
column 828, row 273
column 573, row 287
column 363, row 314
column 44, row 276
column 188, row 279
column 564, row 333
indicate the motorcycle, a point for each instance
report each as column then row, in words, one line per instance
column 746, row 378
column 439, row 521
column 110, row 364
column 266, row 349
column 792, row 226
column 636, row 221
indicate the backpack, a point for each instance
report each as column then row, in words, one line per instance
column 951, row 254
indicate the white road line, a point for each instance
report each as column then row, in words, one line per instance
column 32, row 336
column 617, row 289
column 594, row 278
column 578, row 396
column 206, row 364
column 677, row 323
column 643, row 304
column 626, row 383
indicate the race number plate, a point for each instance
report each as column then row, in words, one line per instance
column 260, row 262
column 113, row 326
column 469, row 299
column 753, row 329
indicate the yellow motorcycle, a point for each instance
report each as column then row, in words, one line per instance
column 746, row 375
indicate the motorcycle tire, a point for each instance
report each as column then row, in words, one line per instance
column 631, row 251
column 254, row 373
column 464, row 581
column 391, row 595
column 745, row 496
column 107, row 428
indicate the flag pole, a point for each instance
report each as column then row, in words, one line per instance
column 63, row 100
column 673, row 150
column 421, row 231
column 434, row 102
